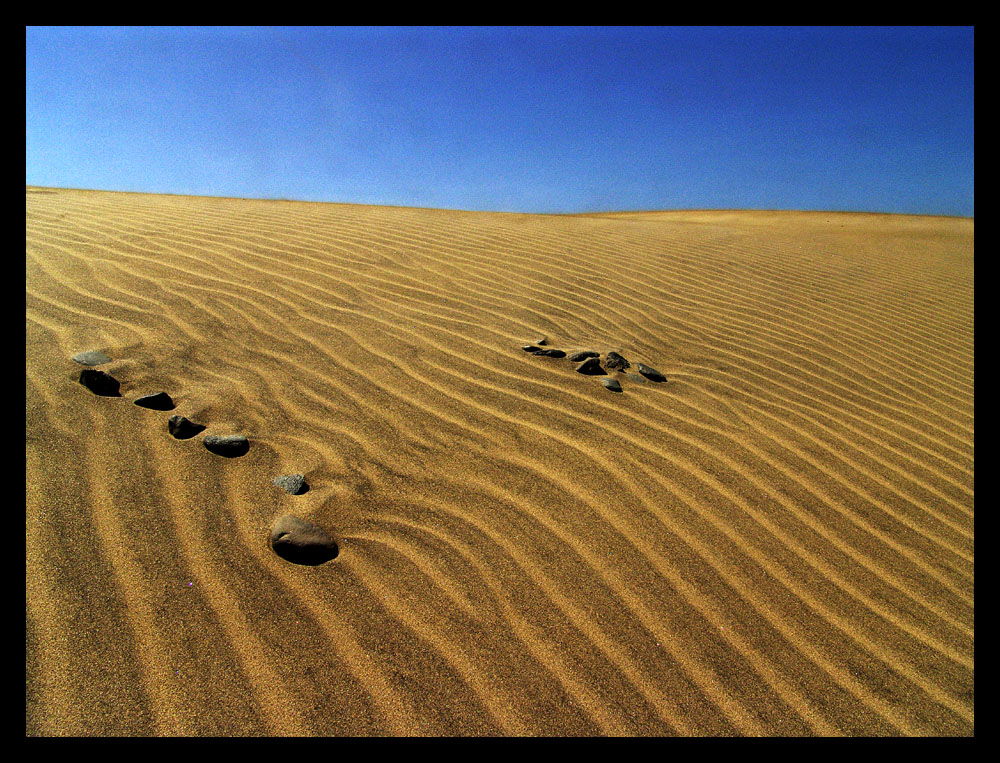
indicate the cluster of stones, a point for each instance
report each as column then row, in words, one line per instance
column 589, row 363
column 292, row 538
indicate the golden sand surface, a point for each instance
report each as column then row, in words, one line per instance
column 776, row 541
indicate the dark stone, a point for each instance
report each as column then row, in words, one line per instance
column 576, row 357
column 591, row 367
column 100, row 383
column 91, row 358
column 230, row 446
column 292, row 483
column 550, row 353
column 182, row 428
column 541, row 341
column 615, row 362
column 302, row 542
column 531, row 348
column 650, row 373
column 613, row 384
column 159, row 402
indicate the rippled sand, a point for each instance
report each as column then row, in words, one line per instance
column 778, row 540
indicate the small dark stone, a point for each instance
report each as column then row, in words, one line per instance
column 302, row 542
column 650, row 373
column 292, row 483
column 182, row 428
column 591, row 367
column 612, row 384
column 91, row 358
column 159, row 402
column 230, row 446
column 576, row 357
column 541, row 341
column 531, row 348
column 100, row 383
column 615, row 362
column 550, row 353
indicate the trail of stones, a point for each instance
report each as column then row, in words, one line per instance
column 292, row 538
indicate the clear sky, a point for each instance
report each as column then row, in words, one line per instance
column 511, row 119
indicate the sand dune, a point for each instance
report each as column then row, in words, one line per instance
column 777, row 540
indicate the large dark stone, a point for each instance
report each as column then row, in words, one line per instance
column 301, row 542
column 591, row 367
column 612, row 384
column 550, row 353
column 615, row 362
column 182, row 428
column 100, row 382
column 230, row 446
column 576, row 357
column 91, row 358
column 159, row 402
column 292, row 483
column 650, row 373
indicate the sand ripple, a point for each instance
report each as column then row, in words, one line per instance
column 776, row 540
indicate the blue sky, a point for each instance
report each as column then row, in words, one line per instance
column 511, row 119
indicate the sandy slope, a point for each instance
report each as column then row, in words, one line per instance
column 776, row 541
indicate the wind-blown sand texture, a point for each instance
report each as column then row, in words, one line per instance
column 778, row 540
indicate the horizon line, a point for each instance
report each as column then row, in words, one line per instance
column 507, row 212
